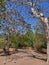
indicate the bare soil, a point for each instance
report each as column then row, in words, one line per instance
column 24, row 57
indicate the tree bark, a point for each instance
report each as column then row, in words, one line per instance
column 45, row 21
column 47, row 51
column 6, row 49
column 47, row 43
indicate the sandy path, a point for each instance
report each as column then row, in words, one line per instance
column 22, row 58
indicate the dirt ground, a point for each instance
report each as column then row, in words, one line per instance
column 24, row 57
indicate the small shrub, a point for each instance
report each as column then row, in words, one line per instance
column 2, row 42
column 39, row 41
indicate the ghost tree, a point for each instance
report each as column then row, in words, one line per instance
column 37, row 14
column 45, row 21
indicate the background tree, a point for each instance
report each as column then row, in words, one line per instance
column 11, row 24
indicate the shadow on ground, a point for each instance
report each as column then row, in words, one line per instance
column 22, row 53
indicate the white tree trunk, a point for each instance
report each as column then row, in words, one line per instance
column 47, row 36
column 45, row 21
column 47, row 51
column 48, row 43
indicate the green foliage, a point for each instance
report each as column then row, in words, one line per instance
column 39, row 41
column 17, row 41
column 2, row 4
column 2, row 8
column 20, row 41
column 2, row 42
column 29, row 39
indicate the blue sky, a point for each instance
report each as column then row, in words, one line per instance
column 24, row 11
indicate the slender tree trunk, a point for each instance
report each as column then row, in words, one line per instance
column 47, row 51
column 48, row 43
column 47, row 36
column 6, row 49
column 8, row 45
